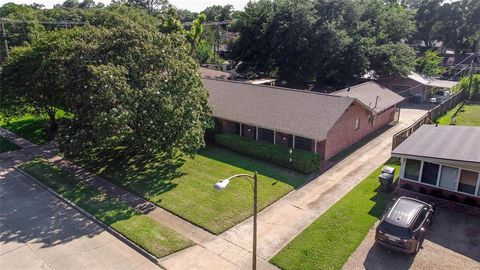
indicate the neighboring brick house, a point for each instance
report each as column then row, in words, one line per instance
column 415, row 85
column 442, row 161
column 322, row 123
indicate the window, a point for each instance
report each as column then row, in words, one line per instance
column 468, row 181
column 412, row 169
column 303, row 143
column 248, row 131
column 265, row 135
column 357, row 123
column 430, row 173
column 448, row 177
column 237, row 128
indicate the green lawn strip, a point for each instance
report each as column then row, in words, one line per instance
column 6, row 145
column 185, row 187
column 330, row 240
column 469, row 115
column 30, row 127
column 141, row 229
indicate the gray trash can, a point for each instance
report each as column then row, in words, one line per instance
column 386, row 181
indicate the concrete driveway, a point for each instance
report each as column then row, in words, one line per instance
column 452, row 242
column 38, row 231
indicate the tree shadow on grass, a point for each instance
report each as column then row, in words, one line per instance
column 244, row 162
column 144, row 176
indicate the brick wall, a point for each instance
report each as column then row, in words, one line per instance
column 343, row 133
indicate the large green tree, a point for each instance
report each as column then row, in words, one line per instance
column 133, row 87
column 33, row 77
column 325, row 41
column 430, row 64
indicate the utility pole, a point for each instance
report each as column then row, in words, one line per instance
column 472, row 67
column 4, row 36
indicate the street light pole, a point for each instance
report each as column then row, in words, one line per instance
column 254, row 248
column 223, row 184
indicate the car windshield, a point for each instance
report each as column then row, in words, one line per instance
column 395, row 230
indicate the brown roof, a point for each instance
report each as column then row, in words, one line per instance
column 368, row 92
column 214, row 74
column 303, row 113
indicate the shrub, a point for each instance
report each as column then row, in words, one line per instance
column 453, row 198
column 302, row 161
column 407, row 186
column 437, row 193
column 469, row 201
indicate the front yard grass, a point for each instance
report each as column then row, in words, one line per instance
column 185, row 186
column 141, row 229
column 6, row 145
column 468, row 115
column 30, row 127
column 330, row 240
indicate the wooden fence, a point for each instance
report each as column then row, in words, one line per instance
column 429, row 117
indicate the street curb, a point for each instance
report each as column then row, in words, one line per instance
column 112, row 231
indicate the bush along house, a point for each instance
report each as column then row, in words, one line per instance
column 305, row 121
column 442, row 161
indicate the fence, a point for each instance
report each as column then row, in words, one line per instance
column 429, row 117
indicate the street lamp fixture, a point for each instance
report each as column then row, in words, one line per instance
column 223, row 185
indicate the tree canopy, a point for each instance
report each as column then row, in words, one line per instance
column 334, row 42
column 125, row 83
column 430, row 64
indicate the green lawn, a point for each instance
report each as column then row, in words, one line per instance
column 335, row 235
column 30, row 127
column 6, row 145
column 185, row 187
column 141, row 229
column 468, row 115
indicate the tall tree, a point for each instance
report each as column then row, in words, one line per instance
column 430, row 64
column 218, row 13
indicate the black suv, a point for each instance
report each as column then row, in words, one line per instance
column 404, row 225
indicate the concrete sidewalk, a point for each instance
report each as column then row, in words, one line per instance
column 39, row 231
column 282, row 221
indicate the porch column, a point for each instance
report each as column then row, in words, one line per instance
column 274, row 137
column 315, row 145
column 241, row 129
column 256, row 133
column 293, row 141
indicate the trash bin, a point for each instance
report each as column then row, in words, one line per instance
column 386, row 178
column 386, row 181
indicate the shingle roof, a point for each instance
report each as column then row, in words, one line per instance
column 303, row 113
column 214, row 74
column 458, row 143
column 368, row 92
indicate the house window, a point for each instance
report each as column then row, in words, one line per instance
column 303, row 143
column 448, row 177
column 237, row 129
column 412, row 169
column 430, row 173
column 468, row 181
column 357, row 123
column 265, row 135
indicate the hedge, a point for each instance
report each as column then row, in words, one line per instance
column 302, row 161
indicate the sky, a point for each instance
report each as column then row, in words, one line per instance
column 192, row 5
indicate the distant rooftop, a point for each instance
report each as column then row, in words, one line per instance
column 371, row 94
column 214, row 74
column 455, row 143
column 431, row 81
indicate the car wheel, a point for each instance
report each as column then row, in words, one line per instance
column 417, row 247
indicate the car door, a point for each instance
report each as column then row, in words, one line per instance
column 421, row 223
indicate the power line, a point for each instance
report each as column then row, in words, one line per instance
column 64, row 23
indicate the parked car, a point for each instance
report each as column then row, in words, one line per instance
column 440, row 96
column 404, row 225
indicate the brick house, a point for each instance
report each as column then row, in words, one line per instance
column 321, row 123
column 442, row 161
column 415, row 85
